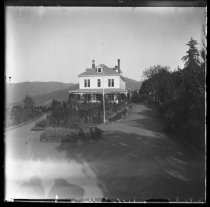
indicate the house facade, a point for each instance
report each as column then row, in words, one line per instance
column 99, row 80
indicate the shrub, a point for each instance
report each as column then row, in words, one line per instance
column 95, row 132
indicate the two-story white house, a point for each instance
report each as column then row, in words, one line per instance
column 101, row 79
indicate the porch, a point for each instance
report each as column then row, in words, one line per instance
column 116, row 96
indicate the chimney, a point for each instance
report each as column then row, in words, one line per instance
column 118, row 60
column 116, row 69
column 93, row 63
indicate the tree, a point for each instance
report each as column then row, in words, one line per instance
column 17, row 114
column 180, row 95
column 158, row 86
column 135, row 96
column 193, row 75
column 192, row 59
column 178, row 80
column 54, row 104
column 151, row 71
column 28, row 102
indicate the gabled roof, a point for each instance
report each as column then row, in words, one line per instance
column 105, row 71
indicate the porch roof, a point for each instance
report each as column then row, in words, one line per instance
column 98, row 91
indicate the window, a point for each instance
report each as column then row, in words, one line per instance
column 99, row 82
column 99, row 70
column 87, row 83
column 110, row 82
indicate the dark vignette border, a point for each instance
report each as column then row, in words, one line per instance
column 74, row 3
column 109, row 3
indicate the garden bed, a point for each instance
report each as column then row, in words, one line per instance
column 38, row 128
column 61, row 134
column 118, row 115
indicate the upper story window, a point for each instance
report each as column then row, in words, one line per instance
column 110, row 82
column 99, row 82
column 87, row 82
column 99, row 70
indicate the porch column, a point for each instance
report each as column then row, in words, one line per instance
column 92, row 97
column 70, row 96
column 80, row 96
column 119, row 97
column 126, row 97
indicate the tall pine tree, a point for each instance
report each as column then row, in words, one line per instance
column 192, row 59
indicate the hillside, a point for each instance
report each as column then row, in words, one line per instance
column 60, row 95
column 132, row 84
column 15, row 92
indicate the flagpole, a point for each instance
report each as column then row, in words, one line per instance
column 104, row 112
column 104, row 103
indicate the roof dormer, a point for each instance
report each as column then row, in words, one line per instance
column 99, row 69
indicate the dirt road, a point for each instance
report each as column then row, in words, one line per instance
column 137, row 160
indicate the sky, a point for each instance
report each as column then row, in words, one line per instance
column 58, row 43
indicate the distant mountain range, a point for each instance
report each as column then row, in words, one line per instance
column 59, row 95
column 132, row 84
column 15, row 92
column 44, row 92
